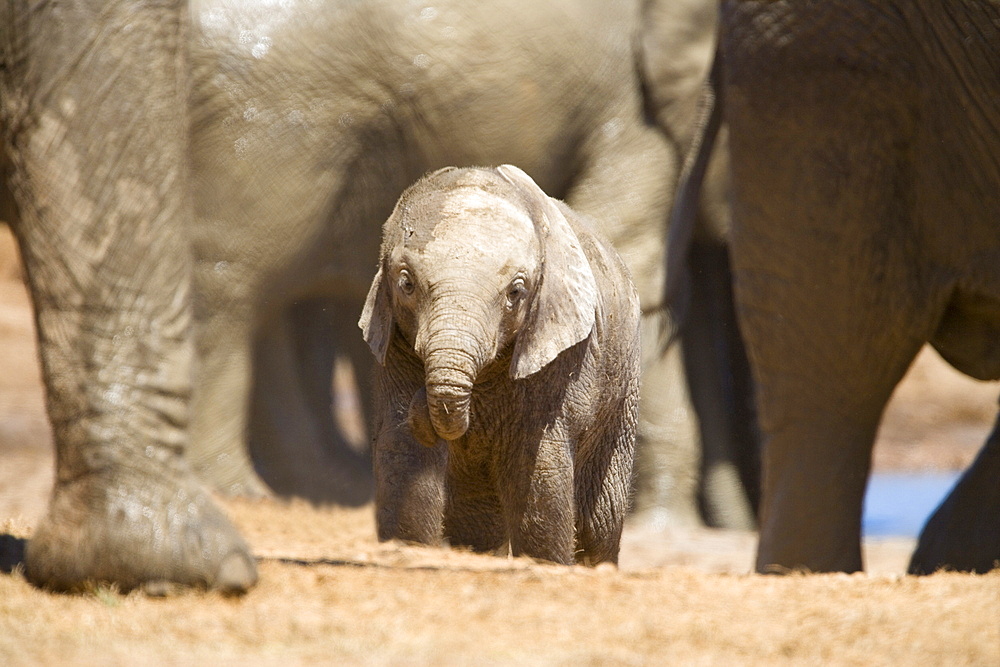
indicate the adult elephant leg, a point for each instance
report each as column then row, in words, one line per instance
column 356, row 362
column 219, row 452
column 341, row 393
column 310, row 324
column 830, row 302
column 102, row 213
column 625, row 187
column 262, row 401
column 668, row 444
column 964, row 532
column 825, row 362
column 676, row 46
column 269, row 231
column 293, row 438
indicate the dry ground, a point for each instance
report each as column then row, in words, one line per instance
column 330, row 593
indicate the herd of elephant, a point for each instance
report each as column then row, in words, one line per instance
column 198, row 191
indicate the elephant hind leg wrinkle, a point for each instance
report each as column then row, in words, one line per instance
column 820, row 421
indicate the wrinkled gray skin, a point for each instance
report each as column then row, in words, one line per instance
column 507, row 336
column 866, row 186
column 90, row 198
column 309, row 123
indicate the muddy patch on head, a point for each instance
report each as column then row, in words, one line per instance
column 477, row 227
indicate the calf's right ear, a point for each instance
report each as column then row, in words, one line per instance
column 376, row 319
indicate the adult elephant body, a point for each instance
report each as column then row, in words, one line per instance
column 308, row 124
column 866, row 185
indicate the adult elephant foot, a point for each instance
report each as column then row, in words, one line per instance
column 131, row 529
column 964, row 532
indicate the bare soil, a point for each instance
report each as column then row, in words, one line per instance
column 330, row 593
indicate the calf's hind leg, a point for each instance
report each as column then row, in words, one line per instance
column 603, row 485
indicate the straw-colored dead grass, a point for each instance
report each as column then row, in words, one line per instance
column 329, row 593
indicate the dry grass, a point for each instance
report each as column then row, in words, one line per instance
column 330, row 594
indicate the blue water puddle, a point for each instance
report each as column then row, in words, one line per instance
column 898, row 504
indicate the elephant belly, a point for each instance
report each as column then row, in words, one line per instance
column 968, row 336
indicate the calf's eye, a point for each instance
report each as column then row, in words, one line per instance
column 405, row 282
column 516, row 291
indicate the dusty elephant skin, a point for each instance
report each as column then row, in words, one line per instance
column 866, row 192
column 507, row 336
column 309, row 121
column 99, row 208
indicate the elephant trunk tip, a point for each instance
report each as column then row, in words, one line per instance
column 448, row 407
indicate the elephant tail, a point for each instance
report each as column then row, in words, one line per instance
column 684, row 214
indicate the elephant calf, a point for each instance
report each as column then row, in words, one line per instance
column 507, row 390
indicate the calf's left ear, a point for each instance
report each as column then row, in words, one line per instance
column 565, row 305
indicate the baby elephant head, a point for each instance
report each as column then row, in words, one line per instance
column 477, row 264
